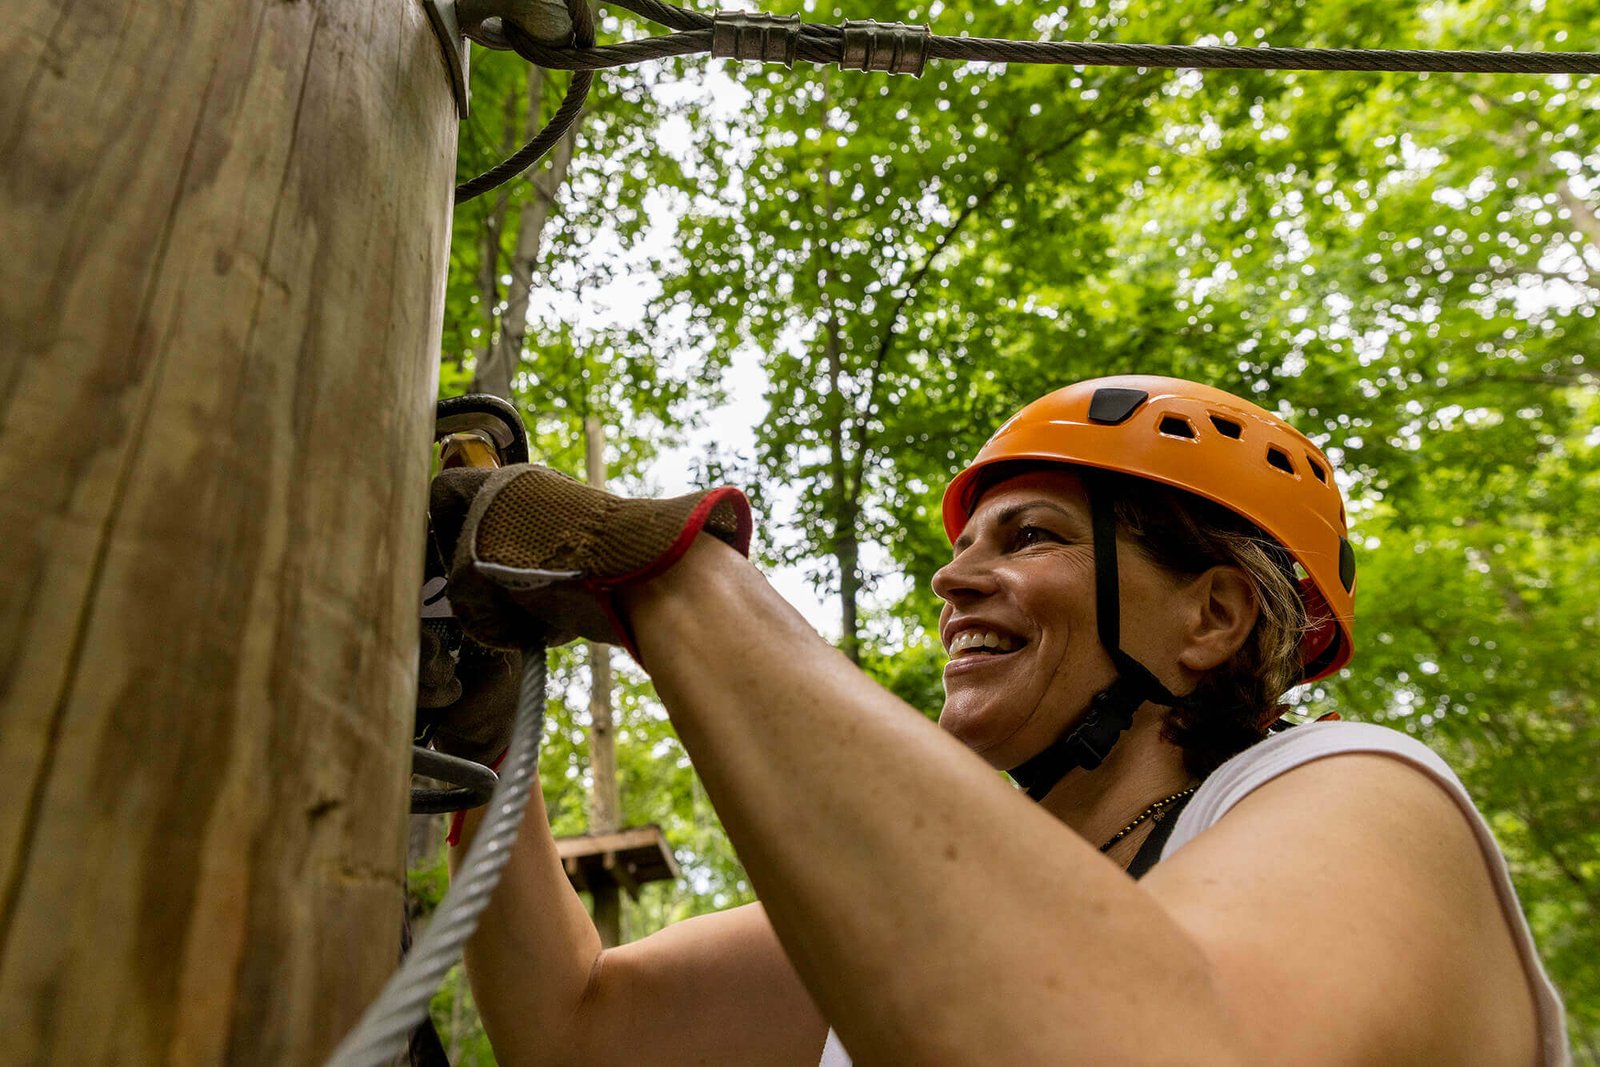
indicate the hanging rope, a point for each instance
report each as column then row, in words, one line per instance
column 571, row 106
column 385, row 1027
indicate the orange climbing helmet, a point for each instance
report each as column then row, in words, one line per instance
column 1213, row 444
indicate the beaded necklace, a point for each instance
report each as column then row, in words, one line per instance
column 1153, row 811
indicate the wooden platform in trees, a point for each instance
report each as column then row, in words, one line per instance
column 627, row 858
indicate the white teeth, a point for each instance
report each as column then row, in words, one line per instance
column 968, row 640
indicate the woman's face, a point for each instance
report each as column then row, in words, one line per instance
column 1019, row 617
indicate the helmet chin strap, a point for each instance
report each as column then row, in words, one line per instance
column 1111, row 710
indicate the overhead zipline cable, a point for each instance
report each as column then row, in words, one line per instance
column 899, row 49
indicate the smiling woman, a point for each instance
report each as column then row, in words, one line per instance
column 1141, row 567
column 1185, row 536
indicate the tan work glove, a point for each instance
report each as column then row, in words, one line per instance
column 540, row 557
column 477, row 725
column 466, row 693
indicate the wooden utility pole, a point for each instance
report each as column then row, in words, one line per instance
column 225, row 229
column 604, row 803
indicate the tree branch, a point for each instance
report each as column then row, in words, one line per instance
column 912, row 288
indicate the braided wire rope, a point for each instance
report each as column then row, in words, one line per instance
column 567, row 113
column 822, row 50
column 823, row 44
column 385, row 1027
column 827, row 45
column 1217, row 57
column 530, row 153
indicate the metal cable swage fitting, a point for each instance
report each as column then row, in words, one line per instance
column 755, row 36
column 895, row 48
column 890, row 47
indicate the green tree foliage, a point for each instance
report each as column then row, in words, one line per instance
column 1404, row 265
column 567, row 365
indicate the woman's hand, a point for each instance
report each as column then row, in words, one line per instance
column 535, row 555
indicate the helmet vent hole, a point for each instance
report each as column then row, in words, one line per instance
column 1173, row 426
column 1227, row 427
column 1280, row 459
column 1317, row 471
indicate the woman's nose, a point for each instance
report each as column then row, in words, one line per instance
column 963, row 578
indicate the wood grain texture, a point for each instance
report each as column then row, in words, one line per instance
column 223, row 232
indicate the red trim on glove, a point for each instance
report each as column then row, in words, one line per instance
column 691, row 529
column 605, row 592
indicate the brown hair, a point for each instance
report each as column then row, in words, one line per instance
column 1184, row 534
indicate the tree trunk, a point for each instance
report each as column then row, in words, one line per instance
column 846, row 538
column 605, row 805
column 499, row 368
column 225, row 230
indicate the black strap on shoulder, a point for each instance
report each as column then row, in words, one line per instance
column 1149, row 853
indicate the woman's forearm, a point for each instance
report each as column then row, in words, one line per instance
column 535, row 949
column 934, row 913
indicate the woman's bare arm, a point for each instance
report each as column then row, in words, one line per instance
column 938, row 916
column 716, row 989
column 1355, row 921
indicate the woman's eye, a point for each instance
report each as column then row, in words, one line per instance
column 1033, row 535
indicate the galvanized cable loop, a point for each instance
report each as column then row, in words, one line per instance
column 382, row 1033
column 566, row 115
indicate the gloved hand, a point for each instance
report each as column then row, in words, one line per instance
column 477, row 724
column 466, row 693
column 437, row 684
column 536, row 555
column 467, row 701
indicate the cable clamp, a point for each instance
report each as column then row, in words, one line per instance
column 755, row 35
column 891, row 47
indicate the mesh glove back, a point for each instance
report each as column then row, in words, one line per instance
column 539, row 555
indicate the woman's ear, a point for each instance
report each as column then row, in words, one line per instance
column 1226, row 612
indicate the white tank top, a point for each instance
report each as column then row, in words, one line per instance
column 1260, row 764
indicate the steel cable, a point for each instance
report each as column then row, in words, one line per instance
column 1090, row 53
column 826, row 45
column 825, row 49
column 823, row 44
column 628, row 53
column 385, row 1027
column 534, row 150
column 668, row 15
column 566, row 115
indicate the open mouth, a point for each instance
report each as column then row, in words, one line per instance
column 983, row 643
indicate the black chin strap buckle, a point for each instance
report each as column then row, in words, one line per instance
column 1087, row 744
column 1110, row 715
